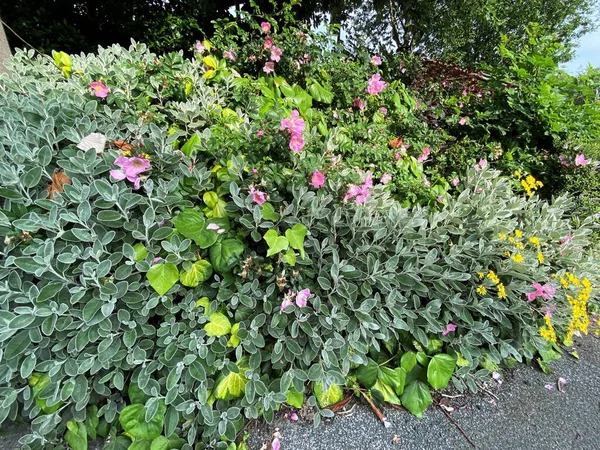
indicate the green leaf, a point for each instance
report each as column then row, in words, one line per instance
column 143, row 444
column 296, row 236
column 268, row 212
column 225, row 255
column 199, row 273
column 92, row 421
column 276, row 243
column 191, row 143
column 17, row 345
column 440, row 370
column 416, row 398
column 294, row 398
column 333, row 395
column 396, row 378
column 32, row 177
column 136, row 395
column 387, row 392
column 234, row 340
column 160, row 443
column 290, row 257
column 76, row 435
column 232, row 385
column 27, row 264
column 218, row 324
column 422, row 359
column 210, row 198
column 140, row 252
column 118, row 443
column 133, row 421
column 192, row 225
column 163, row 277
column 408, row 361
column 367, row 375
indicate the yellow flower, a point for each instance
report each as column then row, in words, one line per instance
column 501, row 291
column 493, row 277
column 481, row 275
column 540, row 257
column 518, row 258
column 518, row 233
column 511, row 240
column 520, row 245
column 502, row 236
column 573, row 279
column 586, row 284
column 481, row 290
column 564, row 283
column 547, row 331
column 507, row 253
column 517, row 174
column 534, row 241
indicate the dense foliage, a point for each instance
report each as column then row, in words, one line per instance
column 189, row 243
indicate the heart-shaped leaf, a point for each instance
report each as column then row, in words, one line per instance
column 416, row 398
column 218, row 325
column 163, row 277
column 198, row 273
column 192, row 225
column 296, row 236
column 276, row 243
column 440, row 370
column 224, row 255
column 133, row 421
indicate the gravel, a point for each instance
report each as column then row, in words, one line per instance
column 519, row 414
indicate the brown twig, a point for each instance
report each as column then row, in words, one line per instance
column 456, row 425
column 377, row 411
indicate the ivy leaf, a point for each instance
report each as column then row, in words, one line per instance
column 118, row 443
column 367, row 375
column 192, row 142
column 163, row 277
column 395, row 378
column 76, row 435
column 144, row 444
column 215, row 205
column 140, row 252
column 192, row 225
column 294, row 398
column 232, row 385
column 296, row 236
column 416, row 398
column 133, row 421
column 268, row 212
column 136, row 395
column 440, row 370
column 160, row 443
column 290, row 257
column 224, row 255
column 199, row 273
column 387, row 392
column 408, row 361
column 276, row 243
column 327, row 398
column 218, row 324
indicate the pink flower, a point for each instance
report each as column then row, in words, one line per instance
column 462, row 121
column 302, row 297
column 548, row 310
column 360, row 193
column 398, row 156
column 275, row 445
column 294, row 417
column 265, row 27
column 563, row 161
column 359, row 103
column 449, row 329
column 440, row 198
column 269, row 67
column 464, row 92
column 99, row 89
column 580, row 160
column 212, row 226
column 566, row 240
column 276, row 53
column 549, row 387
column 376, row 60
column 230, row 55
column 426, row 182
column 259, row 133
column 480, row 165
column 157, row 259
column 294, row 124
column 424, row 155
column 200, row 47
column 221, row 231
column 375, row 84
column 317, row 179
column 258, row 197
column 296, row 143
column 130, row 169
column 254, row 171
column 383, row 110
column 268, row 43
column 546, row 291
column 531, row 296
column 455, row 181
column 386, row 178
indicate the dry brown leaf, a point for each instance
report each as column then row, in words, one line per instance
column 59, row 179
column 123, row 146
column 341, row 404
column 395, row 143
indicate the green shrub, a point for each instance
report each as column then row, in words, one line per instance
column 153, row 313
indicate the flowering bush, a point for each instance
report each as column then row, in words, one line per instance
column 191, row 249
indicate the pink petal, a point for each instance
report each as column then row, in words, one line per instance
column 117, row 174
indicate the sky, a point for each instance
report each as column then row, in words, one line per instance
column 587, row 53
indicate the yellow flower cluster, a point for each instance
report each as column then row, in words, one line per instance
column 547, row 331
column 518, row 258
column 528, row 182
column 491, row 275
column 519, row 243
column 580, row 320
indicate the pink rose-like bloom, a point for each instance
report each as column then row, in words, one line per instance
column 294, row 417
column 276, row 53
column 546, row 291
column 130, row 169
column 563, row 161
column 375, row 84
column 424, row 155
column 480, row 165
column 317, row 179
column 376, row 60
column 212, row 226
column 360, row 193
column 426, row 182
column 462, row 121
column 265, row 27
column 259, row 133
column 548, row 310
column 302, row 297
column 398, row 156
column 230, row 55
column 440, row 198
column 275, row 445
column 455, row 181
column 254, row 171
column 359, row 103
column 268, row 43
column 258, row 197
column 200, row 47
column 383, row 110
column 269, row 67
column 99, row 89
column 386, row 178
column 296, row 143
column 157, row 259
column 294, row 124
column 449, row 329
column 580, row 160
